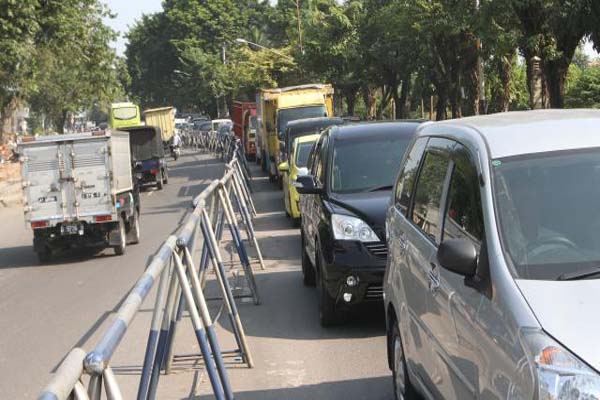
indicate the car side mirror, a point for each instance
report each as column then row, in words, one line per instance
column 305, row 184
column 284, row 167
column 459, row 256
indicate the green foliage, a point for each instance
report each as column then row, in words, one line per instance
column 585, row 91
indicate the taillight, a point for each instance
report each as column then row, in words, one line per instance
column 154, row 171
column 39, row 224
column 102, row 218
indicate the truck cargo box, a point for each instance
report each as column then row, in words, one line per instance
column 164, row 118
column 75, row 177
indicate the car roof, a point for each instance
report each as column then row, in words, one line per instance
column 405, row 127
column 526, row 132
column 308, row 124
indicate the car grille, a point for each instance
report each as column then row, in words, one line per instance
column 374, row 292
column 378, row 249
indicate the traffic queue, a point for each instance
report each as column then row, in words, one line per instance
column 478, row 236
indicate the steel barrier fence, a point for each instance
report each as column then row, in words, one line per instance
column 181, row 282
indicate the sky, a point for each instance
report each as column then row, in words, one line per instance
column 128, row 11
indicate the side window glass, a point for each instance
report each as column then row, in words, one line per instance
column 464, row 216
column 428, row 194
column 320, row 171
column 407, row 177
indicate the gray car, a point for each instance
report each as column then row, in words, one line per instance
column 492, row 285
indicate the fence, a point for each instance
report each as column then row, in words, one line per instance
column 181, row 283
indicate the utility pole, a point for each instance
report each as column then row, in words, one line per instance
column 480, row 70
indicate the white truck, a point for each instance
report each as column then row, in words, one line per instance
column 78, row 191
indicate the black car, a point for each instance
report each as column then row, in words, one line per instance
column 343, row 202
column 304, row 127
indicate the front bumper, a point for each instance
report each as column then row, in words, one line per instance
column 365, row 262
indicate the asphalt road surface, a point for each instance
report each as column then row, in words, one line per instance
column 46, row 310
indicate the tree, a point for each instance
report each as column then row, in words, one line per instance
column 76, row 66
column 18, row 28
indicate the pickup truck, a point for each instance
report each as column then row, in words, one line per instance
column 79, row 192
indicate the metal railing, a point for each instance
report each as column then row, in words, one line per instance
column 225, row 202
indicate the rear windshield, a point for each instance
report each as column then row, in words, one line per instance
column 125, row 113
column 292, row 114
column 366, row 164
column 547, row 206
column 302, row 152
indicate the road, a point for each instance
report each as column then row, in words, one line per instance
column 46, row 310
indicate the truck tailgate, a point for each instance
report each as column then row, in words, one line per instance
column 67, row 180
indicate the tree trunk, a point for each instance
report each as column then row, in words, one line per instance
column 402, row 106
column 60, row 121
column 505, row 73
column 442, row 100
column 351, row 102
column 368, row 93
column 556, row 75
column 386, row 95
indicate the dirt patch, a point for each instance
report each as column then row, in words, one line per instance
column 10, row 184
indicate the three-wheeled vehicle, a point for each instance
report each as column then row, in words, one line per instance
column 148, row 156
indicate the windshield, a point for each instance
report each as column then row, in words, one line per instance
column 252, row 123
column 145, row 145
column 124, row 113
column 302, row 152
column 548, row 212
column 292, row 114
column 367, row 163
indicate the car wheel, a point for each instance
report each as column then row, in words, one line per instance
column 135, row 228
column 328, row 315
column 403, row 390
column 44, row 256
column 159, row 181
column 120, row 248
column 308, row 271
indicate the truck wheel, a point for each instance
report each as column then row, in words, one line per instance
column 135, row 228
column 120, row 248
column 44, row 256
column 159, row 181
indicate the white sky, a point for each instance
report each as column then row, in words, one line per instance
column 128, row 11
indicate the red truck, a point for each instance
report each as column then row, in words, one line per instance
column 245, row 125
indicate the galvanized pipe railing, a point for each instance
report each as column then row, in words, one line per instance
column 173, row 263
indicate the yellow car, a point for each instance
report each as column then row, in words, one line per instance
column 298, row 158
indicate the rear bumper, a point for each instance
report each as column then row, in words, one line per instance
column 94, row 234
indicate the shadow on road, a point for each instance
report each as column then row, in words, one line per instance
column 289, row 310
column 358, row 389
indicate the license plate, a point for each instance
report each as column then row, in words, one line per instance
column 70, row 229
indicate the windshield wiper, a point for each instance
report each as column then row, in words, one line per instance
column 378, row 188
column 576, row 275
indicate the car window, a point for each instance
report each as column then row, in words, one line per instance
column 320, row 166
column 302, row 152
column 407, row 177
column 463, row 218
column 428, row 194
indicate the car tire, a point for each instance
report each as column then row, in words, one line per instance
column 120, row 248
column 308, row 271
column 328, row 315
column 44, row 256
column 403, row 389
column 159, row 181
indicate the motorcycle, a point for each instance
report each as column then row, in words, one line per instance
column 175, row 152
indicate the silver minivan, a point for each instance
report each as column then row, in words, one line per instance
column 492, row 285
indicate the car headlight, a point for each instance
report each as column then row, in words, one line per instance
column 352, row 228
column 560, row 374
